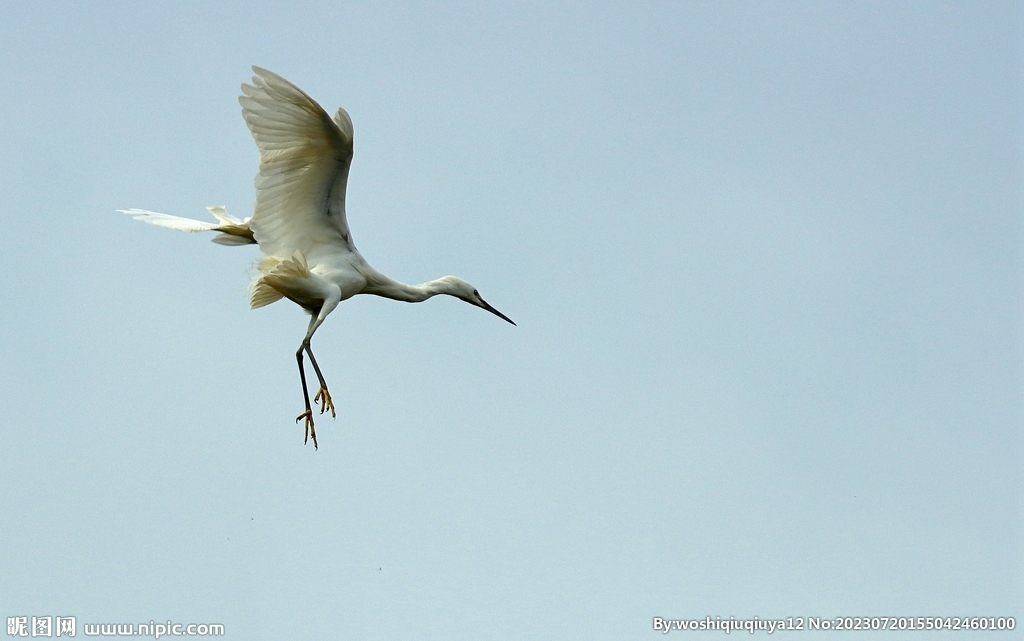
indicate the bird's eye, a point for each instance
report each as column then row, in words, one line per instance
column 476, row 293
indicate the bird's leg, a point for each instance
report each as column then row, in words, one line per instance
column 322, row 396
column 308, row 414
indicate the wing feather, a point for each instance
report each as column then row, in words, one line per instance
column 304, row 162
column 169, row 221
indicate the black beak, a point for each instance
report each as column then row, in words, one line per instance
column 484, row 304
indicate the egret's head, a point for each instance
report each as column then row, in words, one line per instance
column 455, row 286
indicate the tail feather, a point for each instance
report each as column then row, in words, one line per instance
column 276, row 272
column 263, row 295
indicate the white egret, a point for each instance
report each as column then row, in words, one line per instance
column 299, row 219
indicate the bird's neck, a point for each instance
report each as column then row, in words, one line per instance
column 410, row 293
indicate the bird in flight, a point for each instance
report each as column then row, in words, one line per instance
column 299, row 220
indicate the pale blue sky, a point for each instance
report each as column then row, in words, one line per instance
column 765, row 258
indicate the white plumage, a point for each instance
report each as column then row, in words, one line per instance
column 299, row 219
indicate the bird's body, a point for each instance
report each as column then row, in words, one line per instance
column 299, row 220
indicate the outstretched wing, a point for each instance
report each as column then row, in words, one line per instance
column 168, row 221
column 304, row 161
column 233, row 231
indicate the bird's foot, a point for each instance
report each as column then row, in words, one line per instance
column 324, row 398
column 310, row 431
